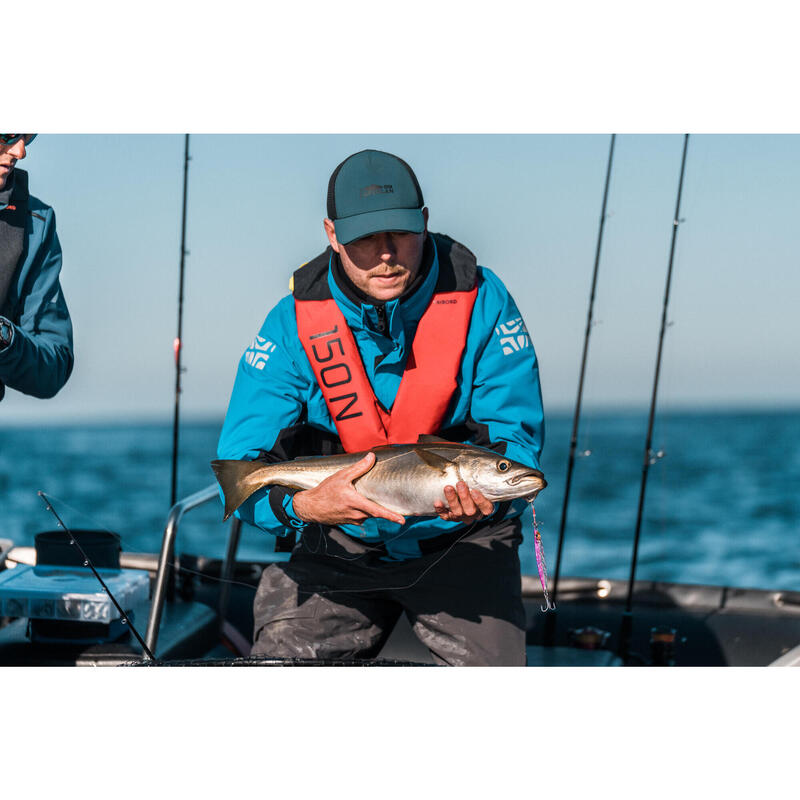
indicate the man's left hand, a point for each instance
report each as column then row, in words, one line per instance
column 464, row 505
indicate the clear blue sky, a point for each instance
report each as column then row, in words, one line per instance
column 527, row 205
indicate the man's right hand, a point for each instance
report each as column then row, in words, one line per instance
column 337, row 502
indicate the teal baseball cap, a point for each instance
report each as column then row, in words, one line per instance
column 372, row 191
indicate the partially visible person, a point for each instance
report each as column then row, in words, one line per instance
column 35, row 329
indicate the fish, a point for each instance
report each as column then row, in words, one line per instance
column 405, row 478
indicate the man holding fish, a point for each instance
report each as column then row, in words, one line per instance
column 406, row 370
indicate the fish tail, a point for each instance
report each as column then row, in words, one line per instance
column 234, row 478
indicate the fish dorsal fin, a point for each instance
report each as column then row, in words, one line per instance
column 426, row 438
column 432, row 459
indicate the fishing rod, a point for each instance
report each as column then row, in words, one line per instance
column 574, row 439
column 649, row 456
column 88, row 563
column 178, row 343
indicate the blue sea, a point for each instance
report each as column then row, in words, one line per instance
column 722, row 505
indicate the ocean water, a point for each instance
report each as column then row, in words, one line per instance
column 722, row 505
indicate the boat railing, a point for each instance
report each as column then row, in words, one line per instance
column 166, row 560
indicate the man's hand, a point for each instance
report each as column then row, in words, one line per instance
column 337, row 502
column 464, row 505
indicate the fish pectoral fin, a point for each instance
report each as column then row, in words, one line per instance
column 431, row 459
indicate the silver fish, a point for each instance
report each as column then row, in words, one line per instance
column 405, row 478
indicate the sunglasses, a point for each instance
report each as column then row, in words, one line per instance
column 13, row 138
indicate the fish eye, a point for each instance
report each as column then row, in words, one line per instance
column 503, row 465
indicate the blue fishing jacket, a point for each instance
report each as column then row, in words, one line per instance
column 497, row 401
column 39, row 359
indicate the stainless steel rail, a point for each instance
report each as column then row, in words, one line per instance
column 227, row 569
column 167, row 556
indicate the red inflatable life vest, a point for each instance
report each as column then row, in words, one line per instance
column 428, row 382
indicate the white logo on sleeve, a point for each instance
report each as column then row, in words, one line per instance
column 513, row 336
column 258, row 353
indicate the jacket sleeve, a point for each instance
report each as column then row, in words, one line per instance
column 506, row 395
column 268, row 395
column 39, row 359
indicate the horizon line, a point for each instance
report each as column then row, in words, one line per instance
column 560, row 411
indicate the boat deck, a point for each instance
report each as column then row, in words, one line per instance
column 715, row 626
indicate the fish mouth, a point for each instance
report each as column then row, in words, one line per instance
column 528, row 477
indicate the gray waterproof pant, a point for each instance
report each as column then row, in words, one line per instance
column 337, row 599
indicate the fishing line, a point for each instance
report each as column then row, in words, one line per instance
column 323, row 546
column 414, row 582
column 538, row 548
column 181, row 569
column 368, row 548
column 88, row 563
column 539, row 560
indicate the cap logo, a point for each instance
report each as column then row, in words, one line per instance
column 374, row 188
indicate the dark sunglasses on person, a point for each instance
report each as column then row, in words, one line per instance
column 13, row 138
